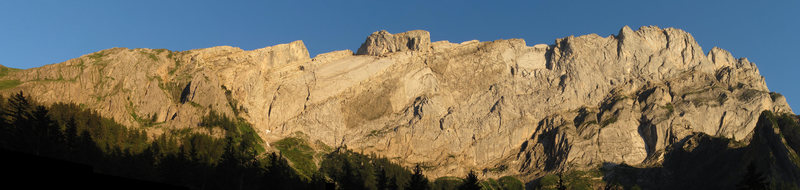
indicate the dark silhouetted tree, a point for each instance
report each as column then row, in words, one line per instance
column 318, row 181
column 471, row 182
column 382, row 179
column 47, row 138
column 17, row 113
column 392, row 184
column 18, row 109
column 418, row 180
column 71, row 134
column 279, row 175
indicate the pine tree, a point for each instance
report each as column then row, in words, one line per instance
column 18, row 134
column 382, row 179
column 393, row 184
column 230, row 159
column 49, row 138
column 471, row 182
column 349, row 179
column 71, row 134
column 318, row 181
column 231, row 164
column 418, row 180
column 279, row 175
column 88, row 151
column 18, row 109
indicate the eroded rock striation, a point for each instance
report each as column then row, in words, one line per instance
column 502, row 107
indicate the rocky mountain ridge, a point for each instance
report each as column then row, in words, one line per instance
column 501, row 107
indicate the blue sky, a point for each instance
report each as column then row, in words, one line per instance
column 34, row 33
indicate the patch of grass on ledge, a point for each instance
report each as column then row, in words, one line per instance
column 299, row 153
column 150, row 55
column 669, row 107
column 6, row 70
column 6, row 84
column 97, row 55
column 609, row 121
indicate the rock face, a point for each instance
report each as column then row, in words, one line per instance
column 382, row 42
column 501, row 107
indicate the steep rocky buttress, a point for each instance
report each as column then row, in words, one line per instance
column 501, row 107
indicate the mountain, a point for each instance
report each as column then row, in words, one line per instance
column 630, row 101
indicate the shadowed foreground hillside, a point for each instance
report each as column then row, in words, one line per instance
column 66, row 143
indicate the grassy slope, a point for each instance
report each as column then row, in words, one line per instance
column 297, row 151
column 6, row 84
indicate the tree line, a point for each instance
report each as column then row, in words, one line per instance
column 70, row 132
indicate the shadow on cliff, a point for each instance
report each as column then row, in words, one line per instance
column 553, row 144
column 700, row 161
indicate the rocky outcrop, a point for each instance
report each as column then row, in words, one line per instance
column 382, row 42
column 703, row 161
column 501, row 107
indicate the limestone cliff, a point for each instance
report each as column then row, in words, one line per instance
column 501, row 107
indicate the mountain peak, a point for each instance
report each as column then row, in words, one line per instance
column 382, row 42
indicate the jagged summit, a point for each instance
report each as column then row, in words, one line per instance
column 382, row 42
column 501, row 106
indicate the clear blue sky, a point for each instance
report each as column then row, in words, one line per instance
column 34, row 33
